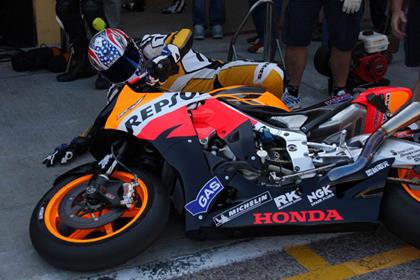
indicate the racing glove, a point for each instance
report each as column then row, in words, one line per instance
column 66, row 152
column 351, row 6
column 160, row 68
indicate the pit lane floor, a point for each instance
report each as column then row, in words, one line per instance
column 37, row 113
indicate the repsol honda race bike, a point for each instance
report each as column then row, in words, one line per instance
column 233, row 162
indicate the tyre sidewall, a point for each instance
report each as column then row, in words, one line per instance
column 400, row 213
column 108, row 252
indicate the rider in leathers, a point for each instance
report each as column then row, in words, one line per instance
column 184, row 69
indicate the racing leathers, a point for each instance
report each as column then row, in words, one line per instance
column 173, row 65
column 196, row 72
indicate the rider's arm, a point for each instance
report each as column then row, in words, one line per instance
column 179, row 43
column 175, row 44
column 64, row 153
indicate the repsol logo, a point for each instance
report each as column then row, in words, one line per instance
column 320, row 195
column 310, row 216
column 159, row 106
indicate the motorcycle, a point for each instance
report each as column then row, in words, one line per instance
column 233, row 162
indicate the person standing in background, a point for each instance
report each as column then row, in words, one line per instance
column 411, row 34
column 74, row 16
column 343, row 19
column 112, row 10
column 177, row 6
column 259, row 18
column 216, row 14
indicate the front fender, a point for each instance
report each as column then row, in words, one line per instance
column 79, row 170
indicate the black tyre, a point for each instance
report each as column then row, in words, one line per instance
column 105, row 246
column 401, row 208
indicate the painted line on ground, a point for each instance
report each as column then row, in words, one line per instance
column 320, row 269
column 237, row 251
column 307, row 257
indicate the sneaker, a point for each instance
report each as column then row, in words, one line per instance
column 253, row 40
column 291, row 101
column 341, row 92
column 217, row 32
column 199, row 32
column 178, row 6
column 257, row 48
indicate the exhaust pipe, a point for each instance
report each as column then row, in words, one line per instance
column 405, row 117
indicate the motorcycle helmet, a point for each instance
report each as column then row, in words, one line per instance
column 115, row 55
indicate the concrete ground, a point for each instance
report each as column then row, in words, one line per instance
column 37, row 113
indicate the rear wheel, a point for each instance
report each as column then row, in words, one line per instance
column 108, row 237
column 401, row 207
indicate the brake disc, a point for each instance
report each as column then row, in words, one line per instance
column 77, row 212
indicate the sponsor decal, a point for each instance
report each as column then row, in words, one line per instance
column 260, row 73
column 168, row 102
column 320, row 195
column 205, row 197
column 241, row 208
column 338, row 99
column 41, row 213
column 410, row 153
column 287, row 199
column 387, row 114
column 131, row 107
column 309, row 216
column 377, row 168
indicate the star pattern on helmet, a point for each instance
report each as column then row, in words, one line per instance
column 107, row 53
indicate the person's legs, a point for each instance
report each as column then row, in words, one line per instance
column 340, row 67
column 258, row 17
column 112, row 10
column 68, row 11
column 217, row 18
column 92, row 9
column 344, row 30
column 199, row 18
column 217, row 12
column 199, row 12
column 296, row 58
column 378, row 10
column 297, row 31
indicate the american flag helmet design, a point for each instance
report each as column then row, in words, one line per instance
column 106, row 47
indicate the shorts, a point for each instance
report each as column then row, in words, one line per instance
column 301, row 16
column 412, row 41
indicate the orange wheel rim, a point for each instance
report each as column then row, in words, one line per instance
column 409, row 174
column 127, row 218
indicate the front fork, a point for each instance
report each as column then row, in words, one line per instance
column 102, row 187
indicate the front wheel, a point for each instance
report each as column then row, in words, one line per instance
column 401, row 207
column 106, row 245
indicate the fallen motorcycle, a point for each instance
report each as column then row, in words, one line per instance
column 233, row 162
